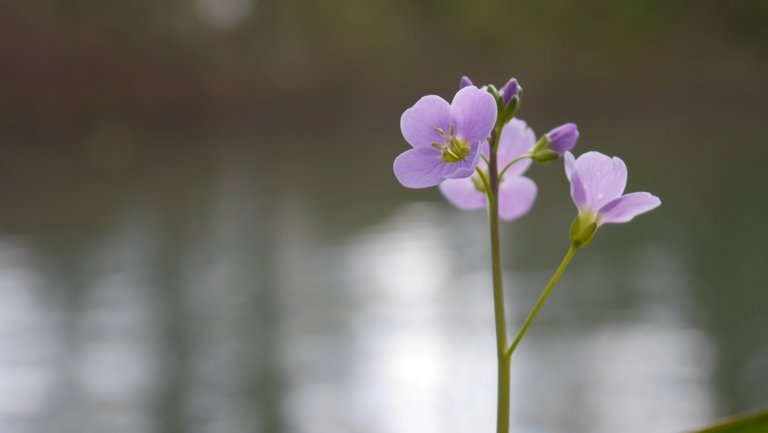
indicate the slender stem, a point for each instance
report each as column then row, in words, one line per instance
column 509, row 164
column 502, row 420
column 542, row 299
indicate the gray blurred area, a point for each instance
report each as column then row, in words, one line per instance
column 200, row 230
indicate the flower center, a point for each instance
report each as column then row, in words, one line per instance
column 453, row 149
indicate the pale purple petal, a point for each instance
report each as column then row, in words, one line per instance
column 578, row 192
column 465, row 167
column 509, row 91
column 463, row 194
column 418, row 123
column 516, row 140
column 464, row 82
column 563, row 138
column 516, row 197
column 626, row 207
column 570, row 161
column 473, row 113
column 602, row 178
column 422, row 167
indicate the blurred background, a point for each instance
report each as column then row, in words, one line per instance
column 200, row 229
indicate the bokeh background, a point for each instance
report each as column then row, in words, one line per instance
column 200, row 230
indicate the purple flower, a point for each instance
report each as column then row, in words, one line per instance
column 445, row 138
column 464, row 82
column 563, row 138
column 597, row 189
column 516, row 192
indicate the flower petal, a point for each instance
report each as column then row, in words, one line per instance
column 516, row 197
column 626, row 207
column 569, row 163
column 421, row 167
column 603, row 178
column 473, row 113
column 578, row 192
column 516, row 140
column 463, row 194
column 418, row 123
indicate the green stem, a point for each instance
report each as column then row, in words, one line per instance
column 502, row 420
column 509, row 164
column 542, row 298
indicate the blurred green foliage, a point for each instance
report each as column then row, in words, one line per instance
column 294, row 54
column 753, row 423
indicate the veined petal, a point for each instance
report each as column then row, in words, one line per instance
column 463, row 194
column 626, row 207
column 516, row 197
column 578, row 192
column 418, row 123
column 473, row 114
column 516, row 140
column 603, row 178
column 422, row 167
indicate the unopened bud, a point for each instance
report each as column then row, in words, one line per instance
column 563, row 138
column 510, row 91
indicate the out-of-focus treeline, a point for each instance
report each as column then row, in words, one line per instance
column 64, row 64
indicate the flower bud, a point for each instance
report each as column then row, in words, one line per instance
column 563, row 138
column 510, row 91
column 464, row 82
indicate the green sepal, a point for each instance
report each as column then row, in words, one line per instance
column 574, row 231
column 514, row 105
column 493, row 91
column 542, row 144
column 479, row 184
column 544, row 156
column 508, row 112
column 501, row 119
column 582, row 236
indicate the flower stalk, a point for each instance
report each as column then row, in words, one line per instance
column 502, row 420
column 542, row 298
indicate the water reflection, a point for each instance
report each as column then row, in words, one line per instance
column 222, row 306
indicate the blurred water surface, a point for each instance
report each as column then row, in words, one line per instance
column 219, row 290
